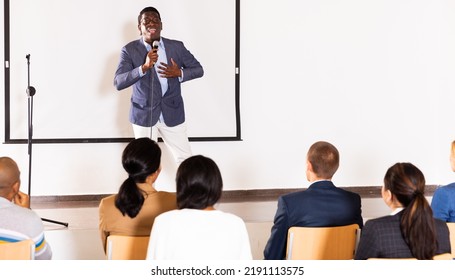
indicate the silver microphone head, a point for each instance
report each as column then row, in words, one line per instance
column 155, row 45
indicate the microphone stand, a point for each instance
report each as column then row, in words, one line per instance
column 30, row 93
column 152, row 72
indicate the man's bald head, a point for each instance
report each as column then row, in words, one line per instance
column 9, row 175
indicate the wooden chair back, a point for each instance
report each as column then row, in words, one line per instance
column 445, row 256
column 21, row 250
column 121, row 247
column 322, row 243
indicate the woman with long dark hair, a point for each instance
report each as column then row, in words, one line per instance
column 133, row 209
column 410, row 231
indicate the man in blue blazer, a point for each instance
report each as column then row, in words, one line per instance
column 321, row 205
column 155, row 67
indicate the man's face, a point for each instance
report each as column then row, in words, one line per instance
column 150, row 27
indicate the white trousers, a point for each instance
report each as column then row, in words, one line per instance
column 175, row 138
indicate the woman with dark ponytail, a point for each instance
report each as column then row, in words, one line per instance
column 410, row 231
column 133, row 209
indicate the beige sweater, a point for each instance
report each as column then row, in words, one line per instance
column 111, row 220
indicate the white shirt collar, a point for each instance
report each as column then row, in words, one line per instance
column 396, row 211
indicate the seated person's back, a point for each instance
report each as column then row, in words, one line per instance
column 18, row 222
column 410, row 231
column 199, row 234
column 133, row 209
column 321, row 205
column 197, row 230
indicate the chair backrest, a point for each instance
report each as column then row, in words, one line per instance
column 451, row 227
column 21, row 250
column 322, row 243
column 445, row 256
column 121, row 247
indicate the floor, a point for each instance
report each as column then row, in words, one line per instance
column 81, row 241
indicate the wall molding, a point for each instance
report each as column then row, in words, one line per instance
column 253, row 195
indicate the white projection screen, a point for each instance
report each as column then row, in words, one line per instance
column 74, row 48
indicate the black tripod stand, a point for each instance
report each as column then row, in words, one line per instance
column 30, row 93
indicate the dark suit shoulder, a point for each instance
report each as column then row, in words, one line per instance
column 171, row 41
column 134, row 44
column 293, row 194
column 319, row 189
column 441, row 225
column 443, row 236
column 383, row 219
column 384, row 228
column 353, row 195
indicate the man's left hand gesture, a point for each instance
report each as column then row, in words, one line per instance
column 169, row 71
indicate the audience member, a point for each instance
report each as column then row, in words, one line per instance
column 321, row 205
column 133, row 209
column 410, row 231
column 18, row 222
column 197, row 230
column 443, row 202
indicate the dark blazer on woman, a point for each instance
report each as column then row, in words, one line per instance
column 321, row 205
column 382, row 238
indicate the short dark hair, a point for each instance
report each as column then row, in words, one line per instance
column 324, row 159
column 145, row 10
column 199, row 183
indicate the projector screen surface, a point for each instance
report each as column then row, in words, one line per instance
column 74, row 49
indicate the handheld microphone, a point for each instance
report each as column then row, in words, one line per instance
column 155, row 45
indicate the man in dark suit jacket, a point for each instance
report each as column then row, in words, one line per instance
column 321, row 205
column 156, row 74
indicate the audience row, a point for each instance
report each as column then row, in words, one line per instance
column 186, row 225
column 196, row 230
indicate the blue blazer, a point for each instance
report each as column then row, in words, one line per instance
column 321, row 205
column 171, row 103
column 382, row 238
column 443, row 203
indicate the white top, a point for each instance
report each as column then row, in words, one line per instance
column 396, row 211
column 190, row 234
